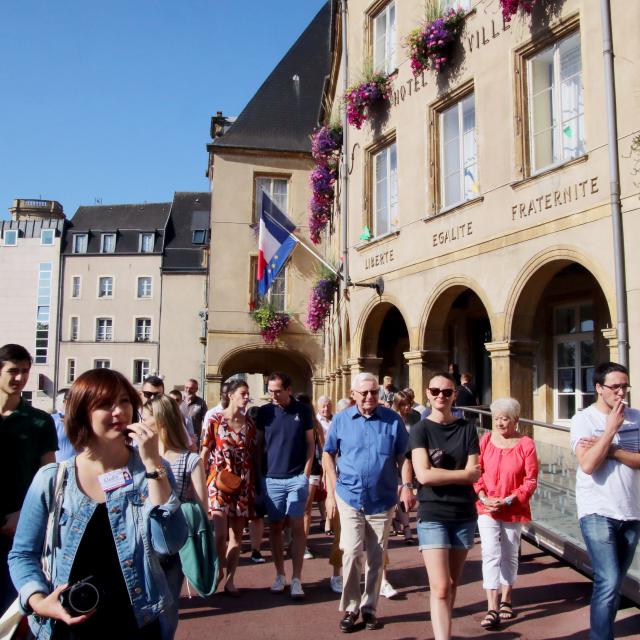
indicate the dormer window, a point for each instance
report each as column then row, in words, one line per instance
column 80, row 242
column 147, row 241
column 47, row 237
column 108, row 243
column 199, row 236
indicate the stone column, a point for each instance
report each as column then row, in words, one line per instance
column 418, row 373
column 338, row 385
column 346, row 381
column 512, row 373
column 318, row 387
column 212, row 389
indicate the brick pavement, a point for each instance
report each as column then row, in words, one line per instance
column 551, row 600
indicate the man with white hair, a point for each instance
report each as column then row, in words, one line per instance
column 325, row 413
column 371, row 442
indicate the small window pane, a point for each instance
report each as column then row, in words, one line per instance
column 566, row 406
column 566, row 354
column 47, row 236
column 565, row 321
column 10, row 238
column 586, row 381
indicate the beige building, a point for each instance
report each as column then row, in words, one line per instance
column 30, row 248
column 267, row 148
column 134, row 290
column 486, row 191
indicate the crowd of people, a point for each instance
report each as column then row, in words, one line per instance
column 112, row 469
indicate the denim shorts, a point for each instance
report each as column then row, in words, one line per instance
column 446, row 535
column 286, row 496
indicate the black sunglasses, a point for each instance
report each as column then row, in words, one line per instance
column 617, row 387
column 150, row 395
column 447, row 393
column 370, row 392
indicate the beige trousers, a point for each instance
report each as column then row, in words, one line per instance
column 362, row 533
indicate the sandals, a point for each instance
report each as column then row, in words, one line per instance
column 491, row 620
column 506, row 611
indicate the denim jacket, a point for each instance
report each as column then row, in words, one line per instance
column 142, row 533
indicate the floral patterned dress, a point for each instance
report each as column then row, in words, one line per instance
column 235, row 452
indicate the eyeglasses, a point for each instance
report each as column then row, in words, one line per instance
column 368, row 392
column 150, row 395
column 434, row 391
column 617, row 387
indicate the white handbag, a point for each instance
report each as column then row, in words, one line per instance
column 13, row 615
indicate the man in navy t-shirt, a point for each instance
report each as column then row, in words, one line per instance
column 285, row 449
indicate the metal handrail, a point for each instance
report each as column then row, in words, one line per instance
column 536, row 423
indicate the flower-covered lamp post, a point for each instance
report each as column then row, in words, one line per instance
column 325, row 148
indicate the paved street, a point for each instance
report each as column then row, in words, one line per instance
column 551, row 601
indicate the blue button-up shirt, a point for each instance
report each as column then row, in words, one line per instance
column 369, row 449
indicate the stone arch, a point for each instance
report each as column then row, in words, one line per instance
column 372, row 317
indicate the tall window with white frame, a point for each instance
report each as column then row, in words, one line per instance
column 105, row 287
column 458, row 153
column 104, row 330
column 144, row 286
column 143, row 329
column 276, row 188
column 75, row 287
column 71, row 370
column 80, row 242
column 108, row 243
column 384, row 39
column 140, row 371
column 573, row 358
column 43, row 313
column 385, row 190
column 556, row 104
column 74, row 328
column 277, row 291
column 47, row 237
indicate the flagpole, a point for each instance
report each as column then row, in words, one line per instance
column 304, row 245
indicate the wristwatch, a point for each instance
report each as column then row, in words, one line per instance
column 407, row 485
column 159, row 473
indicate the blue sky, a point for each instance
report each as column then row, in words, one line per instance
column 112, row 100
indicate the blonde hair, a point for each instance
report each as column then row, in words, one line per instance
column 169, row 421
column 510, row 407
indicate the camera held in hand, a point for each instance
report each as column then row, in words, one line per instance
column 81, row 598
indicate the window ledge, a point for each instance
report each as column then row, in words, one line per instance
column 456, row 207
column 365, row 244
column 523, row 182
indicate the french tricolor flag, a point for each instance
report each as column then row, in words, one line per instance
column 275, row 243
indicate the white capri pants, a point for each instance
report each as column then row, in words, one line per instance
column 500, row 546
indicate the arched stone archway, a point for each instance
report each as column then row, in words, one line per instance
column 559, row 325
column 384, row 340
column 260, row 358
column 455, row 330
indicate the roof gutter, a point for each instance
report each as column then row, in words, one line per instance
column 614, row 184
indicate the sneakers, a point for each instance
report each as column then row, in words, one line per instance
column 387, row 591
column 296, row 589
column 307, row 554
column 335, row 582
column 279, row 584
column 256, row 557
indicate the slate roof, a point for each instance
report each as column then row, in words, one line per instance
column 190, row 211
column 284, row 111
column 127, row 220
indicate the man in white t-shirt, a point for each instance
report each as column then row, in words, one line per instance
column 325, row 413
column 605, row 438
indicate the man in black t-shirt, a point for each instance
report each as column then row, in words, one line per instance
column 29, row 441
column 285, row 449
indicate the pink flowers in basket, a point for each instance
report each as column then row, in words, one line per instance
column 510, row 7
column 320, row 300
column 325, row 148
column 271, row 322
column 361, row 96
column 430, row 45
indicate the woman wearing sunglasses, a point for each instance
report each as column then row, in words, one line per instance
column 444, row 452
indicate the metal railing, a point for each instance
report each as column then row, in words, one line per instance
column 554, row 526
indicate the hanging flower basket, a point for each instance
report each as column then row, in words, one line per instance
column 431, row 45
column 510, row 7
column 271, row 322
column 320, row 301
column 359, row 98
column 325, row 148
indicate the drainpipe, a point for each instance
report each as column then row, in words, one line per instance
column 614, row 184
column 344, row 168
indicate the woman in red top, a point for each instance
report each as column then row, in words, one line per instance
column 509, row 477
